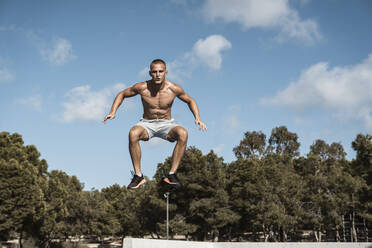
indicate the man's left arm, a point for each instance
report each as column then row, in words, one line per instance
column 181, row 94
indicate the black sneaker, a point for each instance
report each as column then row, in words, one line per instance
column 172, row 180
column 136, row 182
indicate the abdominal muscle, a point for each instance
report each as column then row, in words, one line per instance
column 153, row 109
column 157, row 114
column 158, row 106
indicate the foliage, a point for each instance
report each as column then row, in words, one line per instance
column 268, row 190
column 362, row 168
column 283, row 142
column 202, row 200
column 252, row 146
column 22, row 176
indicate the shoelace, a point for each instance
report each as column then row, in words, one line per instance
column 135, row 177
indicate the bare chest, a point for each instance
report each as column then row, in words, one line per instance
column 159, row 100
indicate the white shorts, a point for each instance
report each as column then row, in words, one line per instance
column 157, row 128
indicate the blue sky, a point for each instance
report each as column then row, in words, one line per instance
column 250, row 65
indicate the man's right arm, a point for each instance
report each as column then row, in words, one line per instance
column 129, row 92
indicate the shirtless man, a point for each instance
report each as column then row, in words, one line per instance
column 157, row 97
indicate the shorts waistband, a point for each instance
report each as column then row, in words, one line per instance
column 157, row 120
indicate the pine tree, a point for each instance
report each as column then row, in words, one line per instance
column 22, row 175
column 202, row 203
column 362, row 168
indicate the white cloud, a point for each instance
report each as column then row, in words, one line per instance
column 60, row 53
column 33, row 102
column 6, row 75
column 346, row 92
column 87, row 105
column 180, row 69
column 209, row 50
column 177, row 71
column 206, row 52
column 273, row 14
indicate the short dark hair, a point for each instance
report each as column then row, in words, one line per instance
column 158, row 61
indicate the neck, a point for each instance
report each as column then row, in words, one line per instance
column 156, row 86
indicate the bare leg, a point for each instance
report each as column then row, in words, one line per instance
column 136, row 134
column 180, row 134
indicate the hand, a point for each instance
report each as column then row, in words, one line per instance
column 202, row 126
column 109, row 116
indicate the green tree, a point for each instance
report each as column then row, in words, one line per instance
column 202, row 202
column 330, row 189
column 267, row 195
column 22, row 175
column 282, row 191
column 242, row 178
column 102, row 221
column 362, row 168
column 153, row 210
column 61, row 197
column 324, row 151
column 137, row 212
column 253, row 145
column 284, row 142
column 75, row 223
column 263, row 187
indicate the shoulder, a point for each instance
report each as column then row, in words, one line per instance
column 176, row 88
column 139, row 87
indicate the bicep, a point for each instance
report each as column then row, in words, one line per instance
column 185, row 97
column 129, row 92
column 181, row 94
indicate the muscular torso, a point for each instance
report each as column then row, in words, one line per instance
column 157, row 102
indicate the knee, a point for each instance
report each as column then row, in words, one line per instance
column 182, row 135
column 134, row 134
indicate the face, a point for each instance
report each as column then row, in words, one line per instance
column 158, row 73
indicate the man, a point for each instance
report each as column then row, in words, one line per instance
column 157, row 97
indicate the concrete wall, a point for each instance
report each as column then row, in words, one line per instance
column 155, row 243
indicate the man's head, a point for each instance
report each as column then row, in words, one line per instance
column 158, row 71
